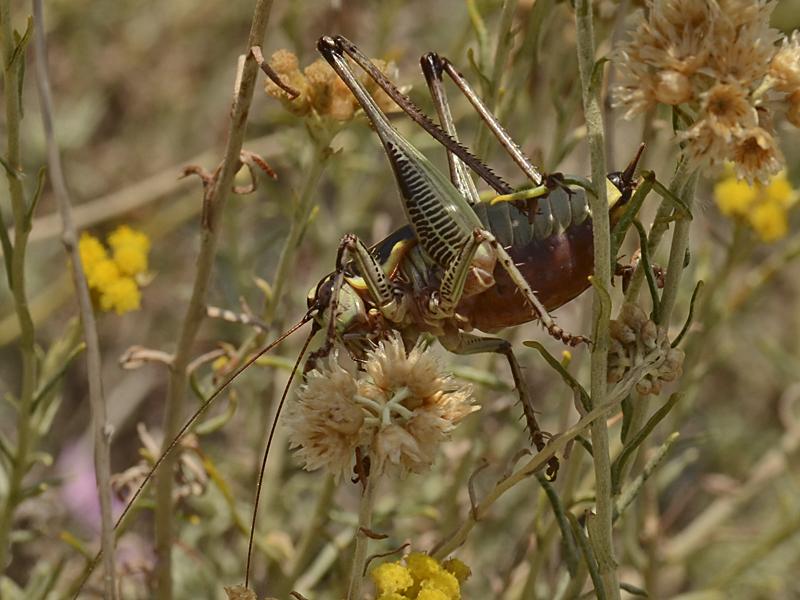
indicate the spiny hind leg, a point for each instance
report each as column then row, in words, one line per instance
column 467, row 343
column 530, row 296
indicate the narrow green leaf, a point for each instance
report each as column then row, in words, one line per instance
column 631, row 211
column 695, row 294
column 565, row 375
column 37, row 195
column 596, row 78
column 55, row 377
column 8, row 249
column 5, row 450
column 647, row 268
column 674, row 199
column 633, row 590
column 588, row 556
column 217, row 422
column 638, row 438
column 74, row 542
column 230, row 498
column 629, row 495
column 567, row 535
column 21, row 43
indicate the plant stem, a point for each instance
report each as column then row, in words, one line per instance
column 659, row 227
column 602, row 539
column 213, row 207
column 677, row 253
column 300, row 215
column 100, row 426
column 19, row 209
column 362, row 540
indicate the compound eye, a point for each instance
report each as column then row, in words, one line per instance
column 617, row 179
column 321, row 295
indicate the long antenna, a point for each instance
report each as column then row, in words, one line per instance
column 184, row 430
column 272, row 430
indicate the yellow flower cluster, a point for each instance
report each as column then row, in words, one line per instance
column 764, row 208
column 321, row 90
column 420, row 577
column 111, row 275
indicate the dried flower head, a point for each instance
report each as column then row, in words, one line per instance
column 637, row 343
column 785, row 65
column 190, row 475
column 321, row 90
column 762, row 207
column 720, row 61
column 420, row 577
column 397, row 412
column 325, row 424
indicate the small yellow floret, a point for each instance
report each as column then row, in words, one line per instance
column 130, row 259
column 91, row 251
column 763, row 207
column 734, row 197
column 780, row 191
column 432, row 594
column 102, row 274
column 458, row 568
column 121, row 296
column 769, row 221
column 125, row 236
column 391, row 577
column 444, row 582
column 392, row 596
column 422, row 566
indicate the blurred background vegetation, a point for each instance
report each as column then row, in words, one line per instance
column 143, row 88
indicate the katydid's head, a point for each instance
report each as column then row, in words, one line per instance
column 621, row 184
column 350, row 310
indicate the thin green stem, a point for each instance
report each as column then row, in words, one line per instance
column 677, row 253
column 362, row 539
column 300, row 215
column 19, row 208
column 69, row 237
column 590, row 74
column 213, row 207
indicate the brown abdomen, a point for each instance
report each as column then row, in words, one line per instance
column 557, row 269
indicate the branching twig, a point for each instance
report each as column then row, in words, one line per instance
column 213, row 205
column 13, row 57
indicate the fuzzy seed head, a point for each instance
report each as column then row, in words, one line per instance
column 398, row 411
